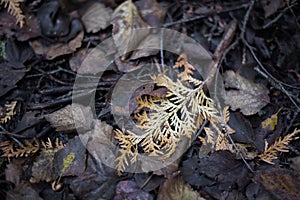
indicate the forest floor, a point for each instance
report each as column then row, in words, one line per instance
column 149, row 99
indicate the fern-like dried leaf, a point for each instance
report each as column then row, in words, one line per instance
column 24, row 150
column 280, row 145
column 13, row 7
column 9, row 112
column 166, row 120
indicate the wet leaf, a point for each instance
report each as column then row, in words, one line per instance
column 125, row 19
column 97, row 17
column 51, row 51
column 244, row 94
column 176, row 189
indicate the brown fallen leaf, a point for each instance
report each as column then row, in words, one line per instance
column 176, row 189
column 125, row 21
column 244, row 94
column 57, row 49
column 282, row 183
column 71, row 117
column 98, row 59
column 97, row 17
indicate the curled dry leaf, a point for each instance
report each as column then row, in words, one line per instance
column 244, row 94
column 57, row 49
column 125, row 20
column 68, row 117
column 176, row 189
column 96, row 17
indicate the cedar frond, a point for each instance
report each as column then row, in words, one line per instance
column 188, row 69
column 9, row 150
column 48, row 145
column 280, row 145
column 164, row 121
column 24, row 150
column 13, row 7
column 9, row 112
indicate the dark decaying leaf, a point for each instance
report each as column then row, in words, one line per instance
column 17, row 53
column 244, row 94
column 147, row 181
column 281, row 183
column 9, row 77
column 96, row 17
column 130, row 190
column 29, row 119
column 97, row 182
column 23, row 191
column 176, row 189
column 71, row 160
column 244, row 132
column 217, row 173
column 8, row 25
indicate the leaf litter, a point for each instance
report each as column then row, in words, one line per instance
column 45, row 157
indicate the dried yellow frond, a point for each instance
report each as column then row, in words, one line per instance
column 13, row 7
column 9, row 112
column 188, row 69
column 164, row 121
column 48, row 145
column 280, row 145
column 24, row 150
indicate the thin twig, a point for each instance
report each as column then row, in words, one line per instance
column 204, row 16
column 273, row 82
